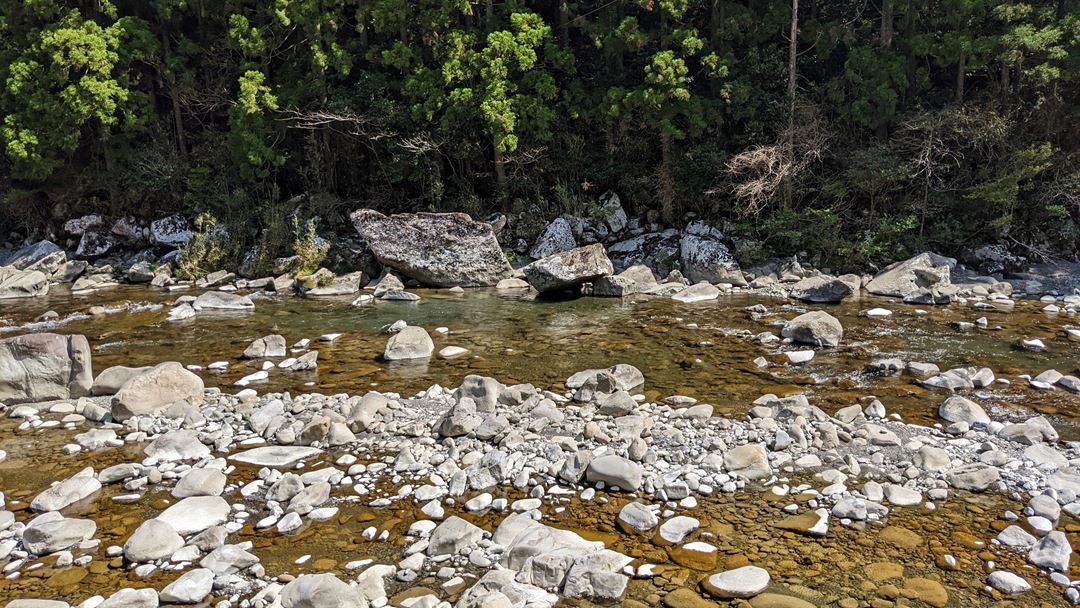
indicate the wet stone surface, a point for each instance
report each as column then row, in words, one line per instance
column 841, row 507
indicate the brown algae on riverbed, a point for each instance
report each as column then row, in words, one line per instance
column 704, row 351
column 896, row 564
column 901, row 563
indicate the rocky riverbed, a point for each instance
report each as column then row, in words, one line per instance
column 154, row 489
column 778, row 438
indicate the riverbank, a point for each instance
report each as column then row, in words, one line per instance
column 901, row 439
column 473, row 477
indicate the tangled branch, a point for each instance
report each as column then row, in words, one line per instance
column 755, row 176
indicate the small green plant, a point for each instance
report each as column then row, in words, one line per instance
column 307, row 248
column 514, row 257
column 203, row 253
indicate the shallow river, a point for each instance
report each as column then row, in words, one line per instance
column 702, row 350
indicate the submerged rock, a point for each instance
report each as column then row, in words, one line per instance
column 436, row 249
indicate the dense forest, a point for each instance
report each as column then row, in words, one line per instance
column 859, row 130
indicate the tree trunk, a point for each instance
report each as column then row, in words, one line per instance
column 500, row 176
column 886, row 23
column 489, row 14
column 362, row 26
column 960, row 66
column 1005, row 72
column 667, row 181
column 178, row 120
column 789, row 143
column 564, row 23
column 715, row 17
column 330, row 161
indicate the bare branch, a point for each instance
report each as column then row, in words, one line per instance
column 347, row 123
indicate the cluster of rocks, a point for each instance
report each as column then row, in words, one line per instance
column 608, row 254
column 452, row 450
column 29, row 270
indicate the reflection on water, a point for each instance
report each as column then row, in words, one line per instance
column 702, row 350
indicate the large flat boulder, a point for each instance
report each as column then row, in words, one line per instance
column 823, row 288
column 44, row 256
column 437, row 249
column 195, row 514
column 569, row 269
column 222, row 300
column 922, row 272
column 68, row 492
column 15, row 283
column 275, row 456
column 42, row 367
column 51, row 532
column 161, row 386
